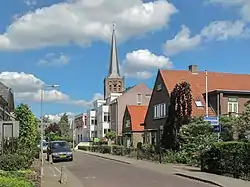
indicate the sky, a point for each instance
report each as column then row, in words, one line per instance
column 46, row 42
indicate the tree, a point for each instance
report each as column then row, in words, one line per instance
column 227, row 123
column 243, row 123
column 110, row 135
column 54, row 128
column 28, row 128
column 64, row 126
column 180, row 110
column 196, row 137
column 27, row 125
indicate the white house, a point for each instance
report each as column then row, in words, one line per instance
column 80, row 127
column 91, row 124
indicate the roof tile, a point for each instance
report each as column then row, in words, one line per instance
column 137, row 114
column 216, row 81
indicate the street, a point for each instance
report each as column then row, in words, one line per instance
column 90, row 171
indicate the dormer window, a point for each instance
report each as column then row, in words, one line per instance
column 198, row 103
column 159, row 87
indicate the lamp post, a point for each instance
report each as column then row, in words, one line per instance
column 41, row 133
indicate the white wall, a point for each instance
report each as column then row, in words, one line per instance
column 102, row 122
column 91, row 116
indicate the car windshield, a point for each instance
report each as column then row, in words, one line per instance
column 56, row 145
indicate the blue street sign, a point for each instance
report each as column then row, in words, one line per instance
column 217, row 128
column 212, row 120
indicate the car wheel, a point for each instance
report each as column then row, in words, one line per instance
column 71, row 159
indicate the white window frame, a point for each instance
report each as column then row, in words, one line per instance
column 139, row 99
column 107, row 116
column 160, row 111
column 159, row 87
column 198, row 103
column 234, row 104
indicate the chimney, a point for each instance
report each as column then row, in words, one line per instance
column 193, row 69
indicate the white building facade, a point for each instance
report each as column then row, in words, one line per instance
column 80, row 128
column 91, row 124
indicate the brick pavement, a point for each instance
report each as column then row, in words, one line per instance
column 180, row 170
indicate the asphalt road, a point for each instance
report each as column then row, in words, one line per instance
column 97, row 172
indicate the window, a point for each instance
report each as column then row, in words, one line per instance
column 198, row 103
column 92, row 121
column 233, row 104
column 105, row 131
column 106, row 117
column 160, row 110
column 115, row 87
column 159, row 87
column 139, row 99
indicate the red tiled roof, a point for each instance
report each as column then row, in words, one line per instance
column 137, row 115
column 216, row 81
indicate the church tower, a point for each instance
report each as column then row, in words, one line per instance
column 114, row 82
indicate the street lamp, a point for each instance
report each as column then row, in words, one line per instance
column 41, row 133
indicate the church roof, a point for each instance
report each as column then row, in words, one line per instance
column 114, row 71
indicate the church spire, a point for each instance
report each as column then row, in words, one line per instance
column 113, row 64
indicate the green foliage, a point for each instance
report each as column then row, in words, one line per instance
column 110, row 135
column 28, row 126
column 28, row 136
column 64, row 126
column 227, row 124
column 196, row 137
column 14, row 182
column 231, row 158
column 179, row 113
column 243, row 125
column 13, row 162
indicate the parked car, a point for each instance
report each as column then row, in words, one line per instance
column 59, row 150
column 45, row 146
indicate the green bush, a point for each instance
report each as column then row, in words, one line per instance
column 227, row 158
column 14, row 182
column 13, row 162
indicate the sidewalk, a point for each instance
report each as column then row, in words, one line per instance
column 179, row 170
column 53, row 175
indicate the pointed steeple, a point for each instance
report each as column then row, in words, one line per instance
column 113, row 64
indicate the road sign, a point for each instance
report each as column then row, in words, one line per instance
column 217, row 128
column 212, row 120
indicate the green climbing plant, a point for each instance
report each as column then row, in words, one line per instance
column 28, row 127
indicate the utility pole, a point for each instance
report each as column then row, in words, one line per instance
column 206, row 93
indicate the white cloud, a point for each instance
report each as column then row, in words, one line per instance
column 223, row 30
column 27, row 88
column 30, row 2
column 84, row 21
column 215, row 31
column 141, row 63
column 242, row 5
column 52, row 59
column 181, row 42
column 57, row 117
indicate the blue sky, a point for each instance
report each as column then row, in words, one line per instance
column 68, row 43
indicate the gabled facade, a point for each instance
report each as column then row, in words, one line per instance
column 80, row 127
column 136, row 95
column 227, row 94
column 6, row 102
column 132, row 130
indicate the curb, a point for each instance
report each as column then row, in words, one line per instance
column 113, row 159
column 198, row 179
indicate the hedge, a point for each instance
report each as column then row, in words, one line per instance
column 227, row 158
column 145, row 152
